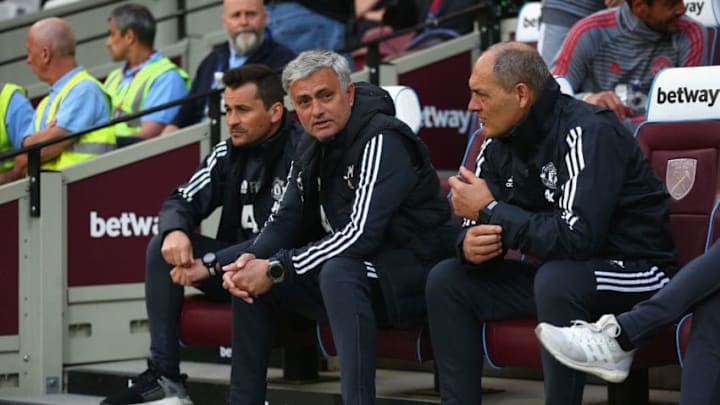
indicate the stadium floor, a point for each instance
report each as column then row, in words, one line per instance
column 208, row 383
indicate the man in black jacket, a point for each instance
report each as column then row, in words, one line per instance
column 363, row 192
column 248, row 43
column 557, row 179
column 245, row 175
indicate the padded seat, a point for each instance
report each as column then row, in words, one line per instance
column 397, row 344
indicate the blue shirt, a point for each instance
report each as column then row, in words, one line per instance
column 167, row 87
column 84, row 106
column 236, row 59
column 18, row 117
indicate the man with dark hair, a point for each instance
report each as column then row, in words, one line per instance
column 361, row 221
column 622, row 49
column 248, row 42
column 245, row 176
column 562, row 181
column 146, row 80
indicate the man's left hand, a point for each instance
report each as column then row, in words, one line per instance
column 469, row 194
column 251, row 281
column 189, row 276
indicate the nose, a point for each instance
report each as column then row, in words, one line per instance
column 317, row 108
column 243, row 19
column 474, row 104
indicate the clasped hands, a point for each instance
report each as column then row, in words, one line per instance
column 246, row 278
column 469, row 195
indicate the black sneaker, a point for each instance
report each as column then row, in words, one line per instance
column 152, row 387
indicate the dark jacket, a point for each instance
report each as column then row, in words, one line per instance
column 379, row 194
column 269, row 53
column 573, row 183
column 246, row 181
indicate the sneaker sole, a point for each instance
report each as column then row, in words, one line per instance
column 612, row 376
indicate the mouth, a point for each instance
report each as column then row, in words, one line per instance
column 321, row 124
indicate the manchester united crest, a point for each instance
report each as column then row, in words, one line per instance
column 680, row 177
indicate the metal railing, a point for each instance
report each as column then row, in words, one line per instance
column 180, row 15
column 33, row 151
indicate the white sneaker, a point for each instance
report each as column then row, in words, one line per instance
column 588, row 347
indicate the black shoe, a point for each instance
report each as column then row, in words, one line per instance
column 152, row 387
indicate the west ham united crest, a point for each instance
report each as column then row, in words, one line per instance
column 680, row 177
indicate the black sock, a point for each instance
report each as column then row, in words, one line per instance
column 624, row 341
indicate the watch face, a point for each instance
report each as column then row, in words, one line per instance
column 276, row 271
column 209, row 259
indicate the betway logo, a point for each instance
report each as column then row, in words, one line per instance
column 694, row 7
column 127, row 225
column 436, row 118
column 685, row 95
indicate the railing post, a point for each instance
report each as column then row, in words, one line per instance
column 373, row 62
column 34, row 175
column 214, row 116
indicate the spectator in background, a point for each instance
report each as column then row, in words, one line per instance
column 310, row 24
column 146, row 80
column 16, row 116
column 245, row 176
column 77, row 101
column 558, row 16
column 248, row 42
column 627, row 46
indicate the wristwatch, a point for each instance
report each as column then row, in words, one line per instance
column 210, row 261
column 275, row 271
column 486, row 212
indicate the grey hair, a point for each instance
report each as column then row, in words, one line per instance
column 138, row 18
column 308, row 62
column 519, row 63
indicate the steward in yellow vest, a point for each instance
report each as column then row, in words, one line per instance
column 16, row 115
column 88, row 145
column 146, row 79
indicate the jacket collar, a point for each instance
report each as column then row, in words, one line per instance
column 530, row 131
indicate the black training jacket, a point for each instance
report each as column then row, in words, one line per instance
column 246, row 181
column 372, row 189
column 573, row 183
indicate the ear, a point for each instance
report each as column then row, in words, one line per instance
column 524, row 95
column 46, row 54
column 276, row 112
column 351, row 93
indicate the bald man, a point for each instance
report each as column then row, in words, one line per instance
column 76, row 102
column 562, row 181
column 248, row 43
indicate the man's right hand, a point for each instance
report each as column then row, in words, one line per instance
column 609, row 100
column 482, row 243
column 177, row 249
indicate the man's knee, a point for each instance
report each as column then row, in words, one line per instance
column 441, row 280
column 559, row 286
column 153, row 253
column 338, row 272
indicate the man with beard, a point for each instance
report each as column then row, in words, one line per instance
column 146, row 80
column 248, row 42
column 245, row 175
column 596, row 55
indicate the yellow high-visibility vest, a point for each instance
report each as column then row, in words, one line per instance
column 88, row 145
column 6, row 92
column 132, row 99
